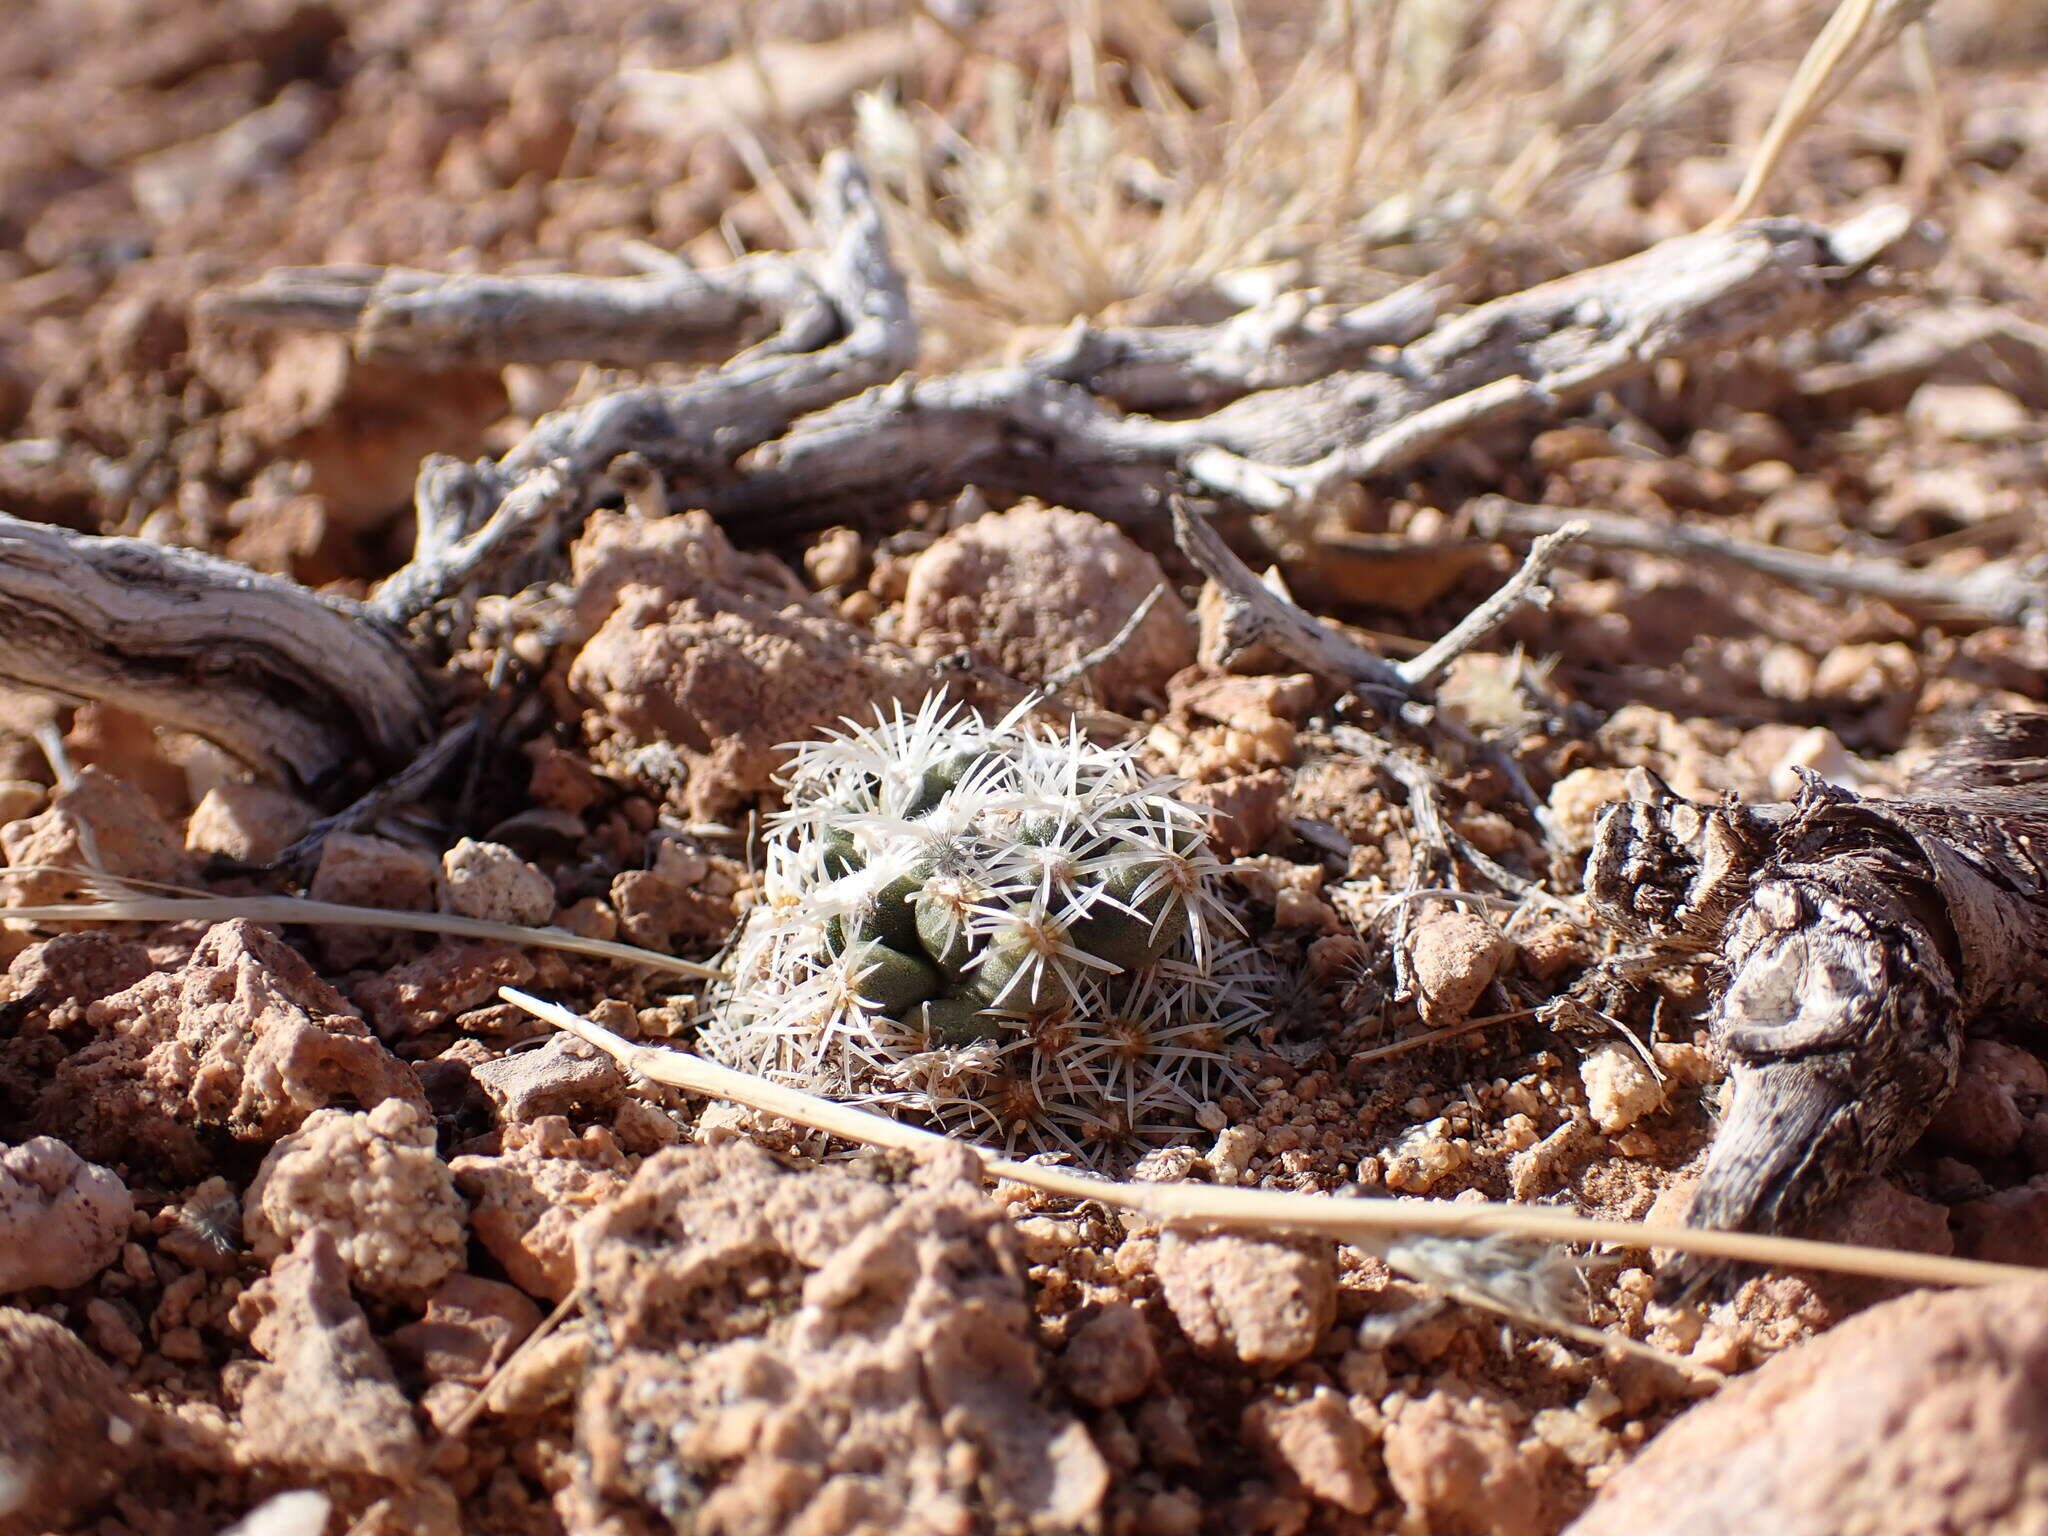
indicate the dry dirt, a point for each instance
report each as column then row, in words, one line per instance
column 274, row 1204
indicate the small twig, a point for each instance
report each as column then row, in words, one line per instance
column 1082, row 666
column 477, row 520
column 1997, row 593
column 402, row 788
column 1522, row 587
column 1438, row 1036
column 427, row 320
column 1433, row 829
column 1253, row 612
column 1286, row 340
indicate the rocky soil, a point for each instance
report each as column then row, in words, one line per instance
column 277, row 1202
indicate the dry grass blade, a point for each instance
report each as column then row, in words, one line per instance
column 121, row 904
column 1856, row 32
column 1346, row 1219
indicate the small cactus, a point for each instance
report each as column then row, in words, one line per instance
column 1013, row 930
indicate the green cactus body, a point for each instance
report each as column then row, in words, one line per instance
column 1013, row 930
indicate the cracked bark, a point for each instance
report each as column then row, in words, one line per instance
column 1860, row 938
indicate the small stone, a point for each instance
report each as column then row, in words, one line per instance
column 1242, row 813
column 97, row 822
column 563, row 1074
column 359, row 870
column 1261, row 1301
column 835, row 558
column 470, row 1328
column 491, row 882
column 50, row 985
column 453, row 977
column 529, row 1197
column 2009, row 1227
column 1535, row 1172
column 1320, row 1445
column 1577, row 799
column 1456, row 1458
column 62, row 1219
column 112, row 1332
column 1111, row 1358
column 1620, row 1089
column 1233, row 1152
column 326, row 1400
column 1037, row 588
column 249, row 823
column 643, row 1127
column 1453, row 957
column 1998, row 1089
column 1968, row 413
column 374, row 1185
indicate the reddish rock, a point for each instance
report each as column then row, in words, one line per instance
column 452, row 977
column 252, row 823
column 68, row 1432
column 1454, row 957
column 528, row 1198
column 96, row 822
column 1259, row 1300
column 563, row 1074
column 1457, row 1459
column 1998, row 1089
column 1928, row 1413
column 1035, row 589
column 471, row 1327
column 2010, row 1227
column 700, row 667
column 1244, row 812
column 242, row 1037
column 326, row 1401
column 50, row 984
column 1111, row 1358
column 1318, row 1444
column 62, row 1219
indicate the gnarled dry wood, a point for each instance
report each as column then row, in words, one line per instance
column 1288, row 339
column 1528, row 354
column 478, row 518
column 293, row 682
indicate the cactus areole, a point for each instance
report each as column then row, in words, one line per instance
column 1011, row 929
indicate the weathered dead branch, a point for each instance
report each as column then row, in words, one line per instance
column 479, row 517
column 431, row 320
column 1287, row 340
column 1526, row 355
column 294, row 682
column 1998, row 593
column 1254, row 613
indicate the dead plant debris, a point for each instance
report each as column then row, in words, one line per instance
column 1557, row 488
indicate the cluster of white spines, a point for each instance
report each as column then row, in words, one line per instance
column 1009, row 927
